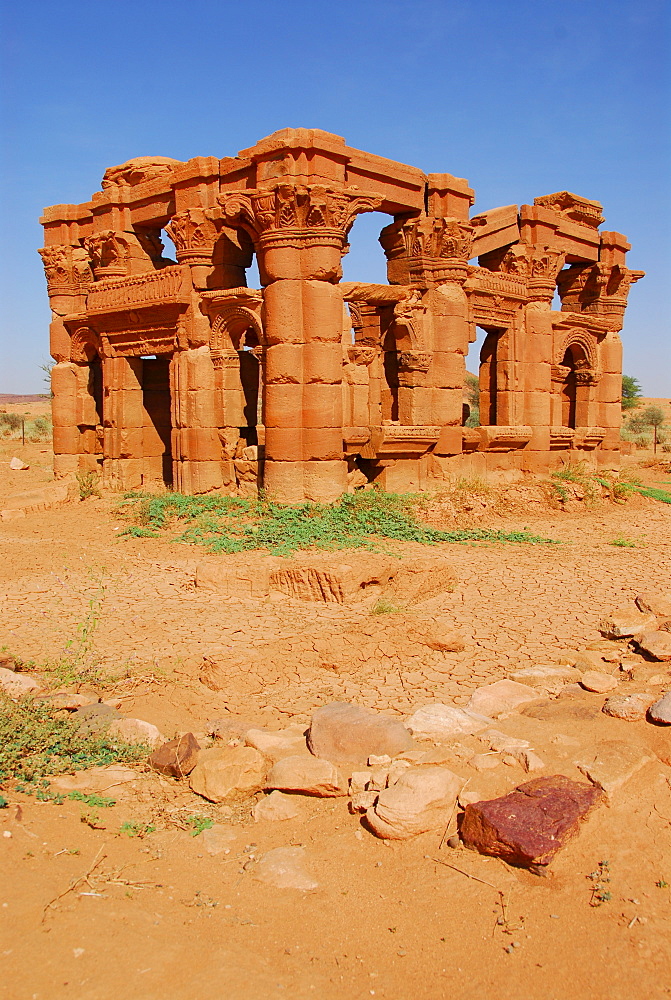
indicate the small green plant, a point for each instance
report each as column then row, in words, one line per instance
column 600, row 878
column 96, row 801
column 4, row 804
column 624, row 543
column 133, row 828
column 661, row 883
column 91, row 818
column 383, row 606
column 89, row 484
column 198, row 822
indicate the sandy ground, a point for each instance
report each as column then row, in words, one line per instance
column 160, row 917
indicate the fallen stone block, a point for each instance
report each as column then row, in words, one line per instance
column 136, row 731
column 597, row 682
column 501, row 698
column 660, row 711
column 228, row 772
column 284, row 868
column 346, row 733
column 656, row 603
column 18, row 685
column 436, row 633
column 97, row 779
column 361, row 802
column 307, row 775
column 656, row 644
column 32, row 501
column 612, row 764
column 277, row 744
column 420, row 579
column 321, row 578
column 275, row 807
column 177, row 758
column 444, row 722
column 66, row 700
column 630, row 707
column 421, row 800
column 529, row 825
column 18, row 465
column 95, row 719
column 529, row 760
column 238, row 575
column 550, row 679
column 501, row 742
column 626, row 623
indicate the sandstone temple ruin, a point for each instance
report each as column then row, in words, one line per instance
column 179, row 373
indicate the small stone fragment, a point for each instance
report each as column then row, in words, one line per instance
column 222, row 773
column 308, row 775
column 359, row 781
column 284, row 868
column 612, row 764
column 95, row 718
column 529, row 825
column 501, row 698
column 498, row 741
column 593, row 680
column 529, row 760
column 17, row 465
column 18, row 685
column 656, row 644
column 484, row 761
column 630, row 707
column 218, row 838
column 342, row 732
column 177, row 758
column 661, row 710
column 136, row 731
column 67, row 700
column 361, row 802
column 625, row 623
column 275, row 807
column 421, row 800
column 7, row 661
column 439, row 722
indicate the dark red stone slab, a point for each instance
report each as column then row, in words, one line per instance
column 176, row 758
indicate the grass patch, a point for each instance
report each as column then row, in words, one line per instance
column 624, row 543
column 235, row 524
column 35, row 745
column 383, row 606
column 198, row 823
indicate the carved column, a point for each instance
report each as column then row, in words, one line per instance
column 300, row 234
column 218, row 255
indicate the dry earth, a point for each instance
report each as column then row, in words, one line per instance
column 162, row 917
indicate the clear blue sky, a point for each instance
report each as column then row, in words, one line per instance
column 522, row 97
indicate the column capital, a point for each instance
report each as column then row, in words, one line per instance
column 430, row 250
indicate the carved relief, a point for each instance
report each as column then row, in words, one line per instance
column 85, row 345
column 414, row 361
column 109, row 252
column 580, row 210
column 194, row 233
column 67, row 268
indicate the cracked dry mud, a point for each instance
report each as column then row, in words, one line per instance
column 170, row 915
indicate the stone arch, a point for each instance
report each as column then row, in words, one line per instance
column 84, row 346
column 230, row 330
column 582, row 348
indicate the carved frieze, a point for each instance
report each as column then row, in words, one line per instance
column 67, row 269
column 169, row 286
column 580, row 210
column 432, row 250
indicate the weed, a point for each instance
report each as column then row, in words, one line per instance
column 89, row 484
column 383, row 606
column 97, row 801
column 235, row 524
column 198, row 822
column 600, row 878
column 4, row 804
column 623, row 543
column 133, row 828
column 91, row 818
column 34, row 745
column 78, row 665
column 662, row 883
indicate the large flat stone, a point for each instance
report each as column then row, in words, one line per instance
column 529, row 825
column 501, row 698
column 346, row 733
column 444, row 722
column 656, row 644
column 421, row 800
column 227, row 772
column 308, row 775
column 612, row 764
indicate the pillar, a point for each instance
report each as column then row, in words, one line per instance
column 198, row 463
column 123, row 422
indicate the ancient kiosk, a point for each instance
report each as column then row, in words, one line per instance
column 178, row 373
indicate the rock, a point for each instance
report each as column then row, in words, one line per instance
column 661, row 710
column 322, row 578
column 17, row 465
column 18, row 685
column 529, row 760
column 136, row 731
column 656, row 603
column 274, row 807
column 529, row 825
column 308, row 775
column 226, row 772
column 359, row 781
column 656, row 644
column 219, row 666
column 97, row 779
column 588, row 659
column 176, row 758
column 436, row 633
column 421, row 800
column 484, row 761
column 625, row 623
column 593, row 680
column 95, row 719
column 231, row 727
column 630, row 707
column 496, row 740
column 218, row 839
column 420, row 579
column 7, row 661
column 31, row 501
column 277, row 744
column 361, row 802
column 284, row 868
column 342, row 732
column 562, row 710
column 612, row 764
column 440, row 722
column 67, row 700
column 239, row 575
column 501, row 698
column 551, row 678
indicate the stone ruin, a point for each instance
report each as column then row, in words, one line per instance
column 180, row 374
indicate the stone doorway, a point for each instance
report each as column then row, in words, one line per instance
column 157, row 423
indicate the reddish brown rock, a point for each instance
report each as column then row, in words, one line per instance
column 176, row 758
column 341, row 732
column 529, row 825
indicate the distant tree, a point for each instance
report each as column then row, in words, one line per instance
column 472, row 387
column 650, row 417
column 46, row 367
column 631, row 392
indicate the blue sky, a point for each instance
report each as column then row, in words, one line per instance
column 522, row 97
